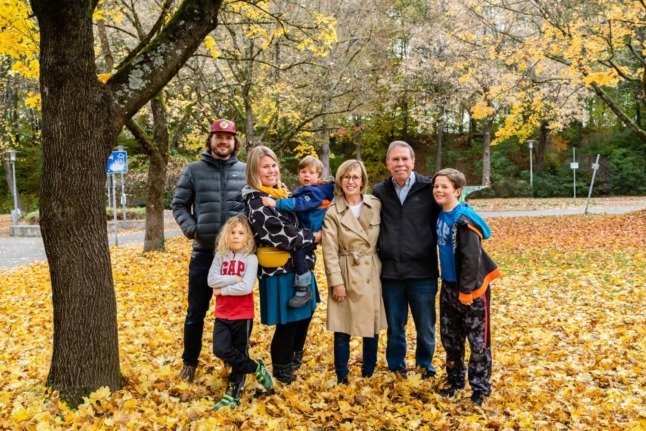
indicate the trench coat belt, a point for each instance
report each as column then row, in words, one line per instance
column 356, row 255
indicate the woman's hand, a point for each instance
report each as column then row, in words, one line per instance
column 216, row 291
column 317, row 237
column 338, row 292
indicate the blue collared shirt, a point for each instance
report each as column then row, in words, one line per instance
column 402, row 192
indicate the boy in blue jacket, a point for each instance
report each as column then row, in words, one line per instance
column 467, row 272
column 309, row 202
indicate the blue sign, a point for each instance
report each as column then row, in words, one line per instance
column 117, row 163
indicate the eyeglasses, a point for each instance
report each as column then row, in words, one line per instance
column 351, row 178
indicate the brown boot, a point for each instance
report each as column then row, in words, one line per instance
column 188, row 373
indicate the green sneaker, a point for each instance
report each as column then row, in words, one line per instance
column 227, row 401
column 262, row 375
column 231, row 397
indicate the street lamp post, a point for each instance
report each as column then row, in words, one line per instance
column 15, row 213
column 530, row 143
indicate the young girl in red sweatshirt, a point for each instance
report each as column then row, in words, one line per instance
column 232, row 276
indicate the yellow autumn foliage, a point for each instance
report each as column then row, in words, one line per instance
column 19, row 37
column 568, row 328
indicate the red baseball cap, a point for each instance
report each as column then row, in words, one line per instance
column 223, row 126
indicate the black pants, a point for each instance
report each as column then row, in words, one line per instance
column 288, row 338
column 231, row 344
column 459, row 323
column 301, row 265
column 199, row 297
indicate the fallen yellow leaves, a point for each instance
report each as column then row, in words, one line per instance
column 569, row 323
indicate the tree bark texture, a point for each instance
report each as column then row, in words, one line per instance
column 440, row 143
column 543, row 144
column 81, row 122
column 486, row 153
column 325, row 153
column 246, row 95
column 358, row 134
column 78, row 132
column 158, row 161
column 156, row 150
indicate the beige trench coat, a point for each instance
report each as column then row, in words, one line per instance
column 350, row 256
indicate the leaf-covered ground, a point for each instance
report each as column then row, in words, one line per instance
column 569, row 323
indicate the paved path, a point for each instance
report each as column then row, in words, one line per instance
column 15, row 251
column 563, row 211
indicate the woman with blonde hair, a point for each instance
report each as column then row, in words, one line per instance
column 350, row 234
column 277, row 234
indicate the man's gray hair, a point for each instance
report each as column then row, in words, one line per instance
column 395, row 144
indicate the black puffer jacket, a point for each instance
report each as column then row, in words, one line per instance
column 407, row 241
column 208, row 192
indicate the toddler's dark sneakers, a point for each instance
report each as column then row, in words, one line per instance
column 262, row 375
column 187, row 373
column 450, row 391
column 478, row 398
column 302, row 290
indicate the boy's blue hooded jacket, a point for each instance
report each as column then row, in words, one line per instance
column 475, row 270
column 309, row 203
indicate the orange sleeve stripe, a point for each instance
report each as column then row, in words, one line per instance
column 475, row 230
column 467, row 298
column 324, row 204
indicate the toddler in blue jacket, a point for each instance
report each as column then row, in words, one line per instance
column 309, row 202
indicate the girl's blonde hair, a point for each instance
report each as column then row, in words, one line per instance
column 252, row 173
column 222, row 246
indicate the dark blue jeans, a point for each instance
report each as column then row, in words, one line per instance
column 419, row 294
column 342, row 355
column 199, row 297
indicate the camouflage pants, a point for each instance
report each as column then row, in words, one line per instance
column 458, row 323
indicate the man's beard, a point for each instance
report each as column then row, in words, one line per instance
column 223, row 153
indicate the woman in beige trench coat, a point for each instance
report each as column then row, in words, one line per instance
column 349, row 238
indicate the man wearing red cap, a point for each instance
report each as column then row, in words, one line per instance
column 208, row 193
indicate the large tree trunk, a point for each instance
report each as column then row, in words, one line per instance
column 81, row 122
column 325, row 153
column 79, row 129
column 486, row 153
column 473, row 127
column 542, row 146
column 357, row 136
column 246, row 95
column 154, row 238
column 440, row 143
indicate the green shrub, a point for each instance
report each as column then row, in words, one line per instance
column 136, row 213
column 486, row 193
column 628, row 176
column 28, row 203
column 33, row 217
